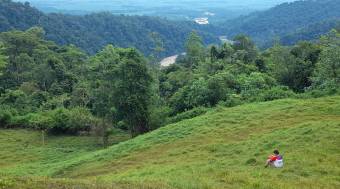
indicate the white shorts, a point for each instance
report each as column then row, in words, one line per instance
column 278, row 163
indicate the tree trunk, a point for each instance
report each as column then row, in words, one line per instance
column 43, row 137
column 139, row 128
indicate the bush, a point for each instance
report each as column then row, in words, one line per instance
column 5, row 117
column 80, row 119
column 58, row 121
column 188, row 114
column 159, row 117
column 232, row 100
column 275, row 93
column 32, row 121
column 122, row 125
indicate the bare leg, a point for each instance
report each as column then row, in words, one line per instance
column 268, row 163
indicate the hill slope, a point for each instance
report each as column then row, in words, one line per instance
column 93, row 32
column 284, row 19
column 311, row 32
column 226, row 148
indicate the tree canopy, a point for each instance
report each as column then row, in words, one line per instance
column 62, row 89
column 119, row 30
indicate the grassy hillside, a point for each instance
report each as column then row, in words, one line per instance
column 226, row 148
column 24, row 151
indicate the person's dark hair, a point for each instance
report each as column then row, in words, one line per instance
column 276, row 152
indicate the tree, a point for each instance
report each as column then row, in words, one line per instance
column 132, row 95
column 3, row 60
column 245, row 44
column 195, row 50
column 103, row 77
column 294, row 67
column 328, row 68
column 158, row 48
column 214, row 54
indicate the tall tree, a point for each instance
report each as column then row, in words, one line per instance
column 328, row 68
column 195, row 50
column 132, row 95
column 244, row 43
column 3, row 60
column 158, row 48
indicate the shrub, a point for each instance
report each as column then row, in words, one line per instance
column 58, row 121
column 159, row 117
column 188, row 114
column 5, row 117
column 232, row 100
column 122, row 125
column 80, row 119
column 32, row 121
column 275, row 93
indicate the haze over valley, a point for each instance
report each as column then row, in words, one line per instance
column 216, row 10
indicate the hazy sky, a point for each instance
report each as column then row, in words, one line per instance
column 114, row 4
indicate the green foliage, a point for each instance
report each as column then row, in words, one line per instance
column 327, row 73
column 133, row 92
column 5, row 116
column 188, row 114
column 159, row 117
column 50, row 86
column 120, row 30
column 194, row 49
column 300, row 20
column 3, row 59
column 58, row 121
column 311, row 32
column 294, row 66
column 238, row 73
column 245, row 47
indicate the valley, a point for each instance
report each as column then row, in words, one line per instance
column 165, row 94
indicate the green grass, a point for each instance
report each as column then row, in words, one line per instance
column 225, row 148
column 23, row 151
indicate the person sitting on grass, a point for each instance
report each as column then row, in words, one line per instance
column 275, row 160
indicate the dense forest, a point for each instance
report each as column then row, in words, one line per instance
column 159, row 37
column 62, row 90
column 311, row 32
column 290, row 22
column 151, row 35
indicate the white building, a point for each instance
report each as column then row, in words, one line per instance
column 202, row 21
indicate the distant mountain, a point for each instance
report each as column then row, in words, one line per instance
column 311, row 32
column 142, row 5
column 92, row 32
column 285, row 19
column 216, row 10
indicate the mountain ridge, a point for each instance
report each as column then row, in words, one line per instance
column 266, row 26
column 119, row 30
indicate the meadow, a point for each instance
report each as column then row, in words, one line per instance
column 225, row 148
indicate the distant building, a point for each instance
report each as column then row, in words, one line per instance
column 166, row 62
column 202, row 21
column 209, row 13
column 224, row 39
